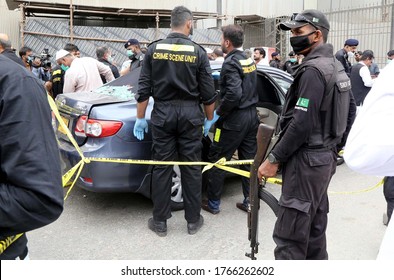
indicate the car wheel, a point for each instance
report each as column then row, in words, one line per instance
column 176, row 190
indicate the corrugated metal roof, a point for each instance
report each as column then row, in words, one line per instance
column 44, row 33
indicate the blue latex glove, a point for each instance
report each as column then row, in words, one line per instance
column 208, row 124
column 139, row 127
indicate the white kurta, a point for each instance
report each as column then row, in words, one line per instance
column 370, row 145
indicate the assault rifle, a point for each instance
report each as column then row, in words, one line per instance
column 257, row 191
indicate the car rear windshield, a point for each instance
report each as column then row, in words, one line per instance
column 121, row 93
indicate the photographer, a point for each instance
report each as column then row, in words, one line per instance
column 41, row 66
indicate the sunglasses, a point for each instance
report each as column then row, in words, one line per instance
column 301, row 18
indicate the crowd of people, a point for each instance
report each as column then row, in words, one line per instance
column 307, row 148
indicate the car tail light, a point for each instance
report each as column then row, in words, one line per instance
column 96, row 128
column 80, row 126
column 87, row 180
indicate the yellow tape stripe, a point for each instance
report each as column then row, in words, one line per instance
column 222, row 163
column 380, row 183
column 175, row 47
column 4, row 244
column 154, row 162
column 82, row 164
column 63, row 125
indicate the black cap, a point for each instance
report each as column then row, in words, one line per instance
column 131, row 42
column 312, row 17
column 351, row 42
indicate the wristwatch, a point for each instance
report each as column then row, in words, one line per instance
column 272, row 159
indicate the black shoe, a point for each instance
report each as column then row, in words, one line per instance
column 242, row 206
column 205, row 206
column 160, row 228
column 192, row 228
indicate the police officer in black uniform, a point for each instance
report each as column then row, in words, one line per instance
column 176, row 72
column 307, row 147
column 31, row 192
column 237, row 120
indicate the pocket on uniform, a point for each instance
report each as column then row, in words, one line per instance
column 197, row 122
column 159, row 115
column 232, row 126
column 293, row 219
column 319, row 158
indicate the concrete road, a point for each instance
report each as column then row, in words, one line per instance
column 114, row 226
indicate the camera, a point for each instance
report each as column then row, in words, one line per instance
column 42, row 60
column 45, row 59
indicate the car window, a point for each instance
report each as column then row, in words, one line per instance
column 284, row 84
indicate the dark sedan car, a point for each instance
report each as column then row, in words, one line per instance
column 102, row 123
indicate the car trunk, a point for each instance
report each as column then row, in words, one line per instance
column 72, row 106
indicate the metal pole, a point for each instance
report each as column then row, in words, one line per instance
column 157, row 26
column 71, row 22
column 392, row 28
column 22, row 24
column 219, row 9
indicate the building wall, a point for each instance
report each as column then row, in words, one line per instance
column 9, row 23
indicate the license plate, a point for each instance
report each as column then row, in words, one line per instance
column 60, row 128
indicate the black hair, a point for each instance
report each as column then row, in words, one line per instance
column 234, row 33
column 261, row 51
column 24, row 50
column 368, row 54
column 390, row 53
column 179, row 16
column 71, row 47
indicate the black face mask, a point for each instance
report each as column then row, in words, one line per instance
column 300, row 43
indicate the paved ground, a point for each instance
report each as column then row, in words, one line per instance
column 114, row 226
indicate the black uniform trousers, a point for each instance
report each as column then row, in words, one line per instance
column 177, row 134
column 388, row 191
column 236, row 131
column 300, row 228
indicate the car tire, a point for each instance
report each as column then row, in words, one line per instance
column 176, row 190
column 271, row 200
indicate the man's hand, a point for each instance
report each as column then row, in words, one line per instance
column 139, row 127
column 209, row 123
column 267, row 169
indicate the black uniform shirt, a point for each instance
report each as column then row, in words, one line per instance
column 57, row 79
column 238, row 79
column 176, row 68
column 301, row 113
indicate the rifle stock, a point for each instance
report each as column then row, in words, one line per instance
column 264, row 135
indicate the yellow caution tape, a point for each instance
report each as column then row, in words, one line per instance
column 5, row 243
column 221, row 163
column 380, row 183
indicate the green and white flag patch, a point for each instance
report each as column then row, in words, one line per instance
column 302, row 104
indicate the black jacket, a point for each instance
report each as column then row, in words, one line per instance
column 342, row 56
column 11, row 55
column 238, row 79
column 31, row 192
column 360, row 91
column 176, row 68
column 114, row 69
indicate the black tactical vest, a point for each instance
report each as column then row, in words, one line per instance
column 334, row 109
